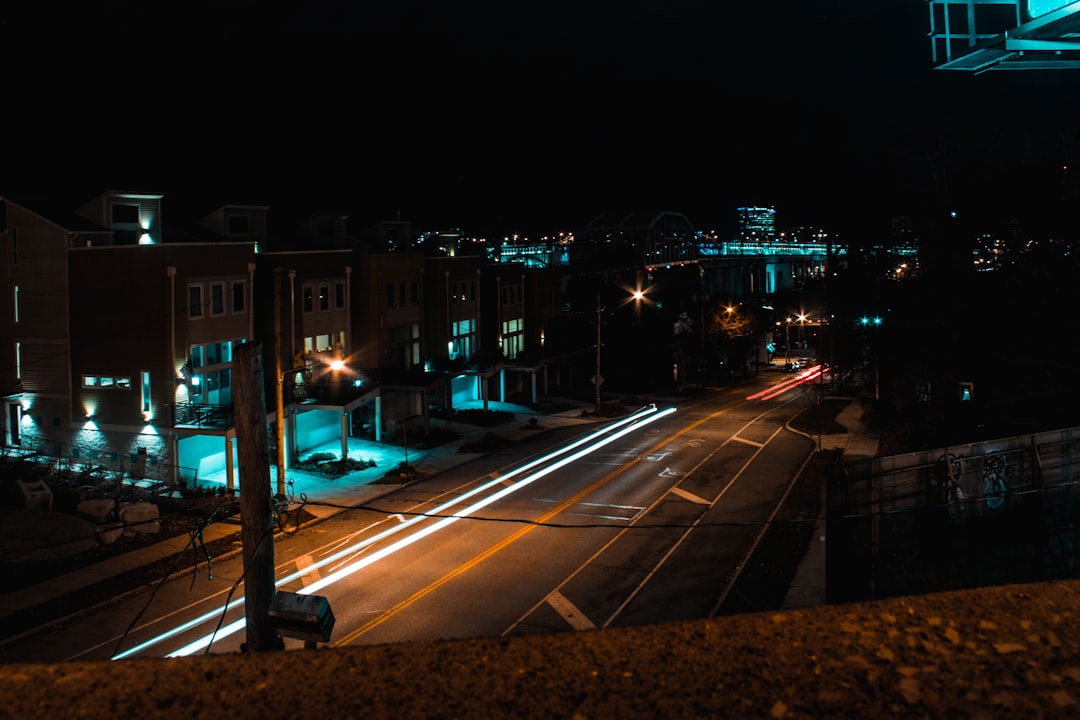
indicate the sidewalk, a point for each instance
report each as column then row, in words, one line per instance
column 332, row 495
column 808, row 586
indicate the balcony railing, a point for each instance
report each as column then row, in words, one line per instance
column 205, row 415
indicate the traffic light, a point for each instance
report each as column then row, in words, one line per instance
column 870, row 320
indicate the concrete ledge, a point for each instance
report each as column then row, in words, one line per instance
column 1004, row 652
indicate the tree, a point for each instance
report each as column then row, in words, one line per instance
column 731, row 333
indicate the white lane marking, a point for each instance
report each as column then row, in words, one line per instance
column 637, row 509
column 569, row 613
column 736, row 438
column 689, row 496
column 302, row 564
column 668, row 472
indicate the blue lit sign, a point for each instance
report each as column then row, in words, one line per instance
column 1036, row 8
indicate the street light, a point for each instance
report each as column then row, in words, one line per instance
column 336, row 365
column 787, row 341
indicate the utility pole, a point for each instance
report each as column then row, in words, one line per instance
column 278, row 387
column 256, row 505
column 597, row 380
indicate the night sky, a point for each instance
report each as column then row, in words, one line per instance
column 534, row 117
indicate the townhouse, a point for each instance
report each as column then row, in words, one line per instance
column 121, row 330
column 120, row 343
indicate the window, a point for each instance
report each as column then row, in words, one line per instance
column 217, row 298
column 513, row 339
column 309, row 299
column 125, row 213
column 107, row 382
column 967, row 391
column 324, row 343
column 922, row 390
column 14, row 244
column 18, row 361
column 16, row 301
column 145, row 391
column 463, row 334
column 324, row 297
column 462, row 291
column 405, row 345
column 216, row 353
column 239, row 296
column 403, row 293
column 339, row 295
column 211, row 373
column 195, row 301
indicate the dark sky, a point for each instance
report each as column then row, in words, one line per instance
column 532, row 117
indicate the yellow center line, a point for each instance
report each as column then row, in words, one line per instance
column 418, row 595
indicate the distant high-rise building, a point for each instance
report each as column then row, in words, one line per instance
column 757, row 224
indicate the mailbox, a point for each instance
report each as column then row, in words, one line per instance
column 304, row 617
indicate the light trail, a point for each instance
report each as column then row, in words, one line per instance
column 645, row 412
column 344, row 572
column 811, row 373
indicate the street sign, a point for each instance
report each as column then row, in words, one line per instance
column 593, row 380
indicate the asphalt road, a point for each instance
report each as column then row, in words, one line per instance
column 657, row 525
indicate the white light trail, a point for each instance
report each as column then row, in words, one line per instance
column 344, row 572
column 352, row 549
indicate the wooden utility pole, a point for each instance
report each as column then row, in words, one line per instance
column 279, row 390
column 256, row 504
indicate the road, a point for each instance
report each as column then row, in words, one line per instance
column 643, row 520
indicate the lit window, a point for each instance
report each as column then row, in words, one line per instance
column 145, row 391
column 967, row 391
